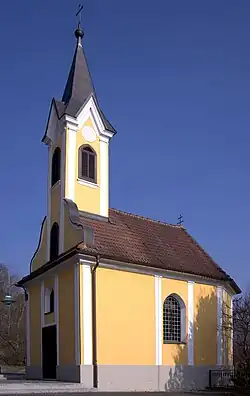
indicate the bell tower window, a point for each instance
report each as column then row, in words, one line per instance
column 54, row 242
column 56, row 165
column 87, row 164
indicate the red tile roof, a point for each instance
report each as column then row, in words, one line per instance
column 134, row 239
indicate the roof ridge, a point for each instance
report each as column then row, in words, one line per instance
column 148, row 219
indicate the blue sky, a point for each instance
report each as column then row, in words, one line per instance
column 174, row 79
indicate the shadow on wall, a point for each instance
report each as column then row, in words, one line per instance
column 182, row 376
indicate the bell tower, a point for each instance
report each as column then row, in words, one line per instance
column 77, row 136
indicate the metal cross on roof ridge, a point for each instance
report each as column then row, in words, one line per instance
column 180, row 220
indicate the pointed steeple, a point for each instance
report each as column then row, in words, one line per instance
column 79, row 85
column 78, row 89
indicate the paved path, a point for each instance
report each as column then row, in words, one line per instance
column 28, row 388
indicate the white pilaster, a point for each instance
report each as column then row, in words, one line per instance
column 87, row 314
column 190, row 323
column 104, row 177
column 219, row 325
column 158, row 320
column 77, row 313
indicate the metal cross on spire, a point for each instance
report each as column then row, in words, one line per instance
column 79, row 13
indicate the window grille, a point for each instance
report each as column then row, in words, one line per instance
column 171, row 320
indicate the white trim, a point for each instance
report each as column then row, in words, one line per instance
column 62, row 193
column 190, row 323
column 158, row 320
column 87, row 315
column 56, row 295
column 71, row 122
column 87, row 183
column 71, row 163
column 77, row 313
column 90, row 109
column 27, row 306
column 50, row 153
column 104, row 179
column 42, row 319
column 140, row 269
column 219, row 325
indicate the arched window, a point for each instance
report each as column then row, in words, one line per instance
column 54, row 241
column 87, row 163
column 173, row 320
column 51, row 301
column 56, row 166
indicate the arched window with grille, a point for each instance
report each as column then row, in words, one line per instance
column 87, row 164
column 54, row 241
column 56, row 166
column 174, row 320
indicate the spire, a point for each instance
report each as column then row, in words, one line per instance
column 79, row 85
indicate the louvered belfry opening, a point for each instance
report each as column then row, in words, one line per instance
column 87, row 164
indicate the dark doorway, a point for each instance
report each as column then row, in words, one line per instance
column 49, row 352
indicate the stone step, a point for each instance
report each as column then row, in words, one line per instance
column 11, row 376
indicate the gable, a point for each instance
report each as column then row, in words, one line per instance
column 53, row 124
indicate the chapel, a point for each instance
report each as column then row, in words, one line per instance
column 115, row 300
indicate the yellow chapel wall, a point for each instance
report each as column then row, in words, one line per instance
column 66, row 315
column 35, row 323
column 125, row 318
column 205, row 325
column 40, row 256
column 49, row 283
column 72, row 234
column 87, row 198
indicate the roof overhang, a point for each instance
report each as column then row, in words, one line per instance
column 87, row 256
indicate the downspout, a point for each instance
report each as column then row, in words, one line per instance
column 24, row 289
column 94, row 330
